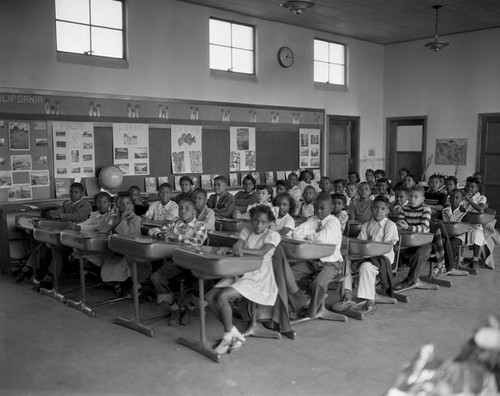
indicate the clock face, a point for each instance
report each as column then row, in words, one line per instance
column 285, row 56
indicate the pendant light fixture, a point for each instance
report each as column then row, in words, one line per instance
column 298, row 6
column 436, row 45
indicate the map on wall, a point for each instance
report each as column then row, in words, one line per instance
column 451, row 152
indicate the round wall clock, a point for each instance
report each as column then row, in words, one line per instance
column 285, row 56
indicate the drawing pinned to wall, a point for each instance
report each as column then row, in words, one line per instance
column 280, row 175
column 19, row 136
column 20, row 192
column 206, row 182
column 131, row 148
column 256, row 176
column 5, row 179
column 150, row 183
column 451, row 152
column 242, row 149
column 20, row 162
column 186, row 149
column 270, row 177
column 233, row 180
column 62, row 187
column 317, row 174
column 39, row 178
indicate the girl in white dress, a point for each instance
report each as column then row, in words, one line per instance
column 284, row 223
column 258, row 286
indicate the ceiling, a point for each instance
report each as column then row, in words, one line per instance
column 378, row 21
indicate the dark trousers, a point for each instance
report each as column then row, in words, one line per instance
column 455, row 245
column 418, row 256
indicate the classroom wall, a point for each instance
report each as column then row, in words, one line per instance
column 451, row 87
column 168, row 57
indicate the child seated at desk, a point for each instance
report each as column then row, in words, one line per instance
column 351, row 192
column 361, row 209
column 247, row 196
column 434, row 198
column 384, row 189
column 204, row 213
column 370, row 179
column 378, row 229
column 338, row 206
column 450, row 183
column 76, row 209
column 222, row 202
column 264, row 196
column 165, row 210
column 186, row 229
column 353, row 177
column 306, row 178
column 295, row 191
column 283, row 209
column 400, row 201
column 307, row 208
column 455, row 213
column 258, row 286
column 281, row 188
column 141, row 206
column 325, row 184
column 322, row 227
column 186, row 185
column 415, row 217
column 103, row 204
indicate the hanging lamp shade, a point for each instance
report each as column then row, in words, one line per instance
column 436, row 45
column 298, row 6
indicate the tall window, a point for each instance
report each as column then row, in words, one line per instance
column 231, row 47
column 329, row 62
column 91, row 27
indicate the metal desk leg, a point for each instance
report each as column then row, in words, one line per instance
column 256, row 329
column 34, row 280
column 82, row 304
column 54, row 292
column 135, row 322
column 201, row 345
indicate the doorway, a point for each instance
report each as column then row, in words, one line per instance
column 343, row 146
column 406, row 146
column 488, row 158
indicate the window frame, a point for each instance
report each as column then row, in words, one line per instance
column 324, row 84
column 104, row 59
column 254, row 51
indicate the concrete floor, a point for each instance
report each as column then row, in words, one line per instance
column 47, row 348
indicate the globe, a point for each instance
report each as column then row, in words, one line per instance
column 110, row 177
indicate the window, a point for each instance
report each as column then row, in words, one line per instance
column 329, row 62
column 90, row 27
column 231, row 47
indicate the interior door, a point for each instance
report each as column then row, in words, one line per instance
column 406, row 145
column 343, row 146
column 488, row 159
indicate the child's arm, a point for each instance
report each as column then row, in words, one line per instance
column 129, row 225
column 198, row 238
column 478, row 207
column 425, row 222
column 79, row 212
column 250, row 200
column 227, row 208
column 172, row 212
column 149, row 215
column 352, row 214
column 210, row 220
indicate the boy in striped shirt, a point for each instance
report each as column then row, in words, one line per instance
column 415, row 217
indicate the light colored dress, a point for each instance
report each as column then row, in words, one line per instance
column 259, row 285
column 285, row 221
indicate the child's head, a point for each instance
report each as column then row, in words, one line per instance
column 338, row 186
column 261, row 217
column 403, row 172
column 307, row 176
column 281, row 187
column 409, row 181
column 338, row 203
column 264, row 193
column 135, row 193
column 383, row 186
column 103, row 202
column 479, row 176
column 76, row 192
column 285, row 203
column 379, row 173
column 309, row 194
column 351, row 189
column 187, row 210
column 416, row 196
column 456, row 198
column 200, row 198
column 323, row 205
column 249, row 183
column 364, row 190
column 186, row 184
column 293, row 179
column 125, row 203
column 353, row 177
column 164, row 191
column 472, row 185
column 450, row 183
column 325, row 184
column 441, row 180
column 220, row 185
column 370, row 175
column 401, row 196
column 380, row 208
column 434, row 183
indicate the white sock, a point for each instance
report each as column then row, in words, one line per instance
column 174, row 306
column 228, row 336
column 235, row 332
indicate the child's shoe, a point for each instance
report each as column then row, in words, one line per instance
column 368, row 308
column 175, row 318
column 236, row 343
column 474, row 264
column 185, row 317
column 346, row 302
column 224, row 345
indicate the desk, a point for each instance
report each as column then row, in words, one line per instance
column 222, row 238
column 207, row 263
column 233, row 225
column 139, row 249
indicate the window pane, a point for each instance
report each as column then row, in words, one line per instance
column 337, row 74
column 321, row 50
column 321, row 72
column 337, row 53
column 107, row 13
column 107, row 42
column 242, row 36
column 242, row 61
column 72, row 37
column 73, row 10
column 220, row 57
column 220, row 32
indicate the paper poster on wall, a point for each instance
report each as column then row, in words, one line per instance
column 62, row 187
column 73, row 149
column 39, row 178
column 309, row 150
column 131, row 148
column 186, row 149
column 5, row 179
column 242, row 155
column 20, row 162
column 19, row 136
column 20, row 192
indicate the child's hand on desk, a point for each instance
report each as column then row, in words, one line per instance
column 238, row 249
column 53, row 214
column 73, row 226
column 402, row 224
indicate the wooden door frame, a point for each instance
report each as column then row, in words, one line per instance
column 391, row 144
column 483, row 119
column 354, row 137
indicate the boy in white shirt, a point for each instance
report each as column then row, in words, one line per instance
column 307, row 207
column 205, row 214
column 322, row 227
column 164, row 210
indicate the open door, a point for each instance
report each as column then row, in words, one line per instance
column 343, row 146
